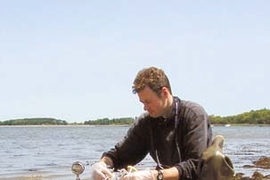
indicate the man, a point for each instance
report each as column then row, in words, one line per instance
column 174, row 132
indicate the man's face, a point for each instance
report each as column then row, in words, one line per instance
column 152, row 103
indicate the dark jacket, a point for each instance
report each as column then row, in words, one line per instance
column 176, row 141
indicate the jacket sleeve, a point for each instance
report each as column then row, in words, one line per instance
column 132, row 148
column 195, row 137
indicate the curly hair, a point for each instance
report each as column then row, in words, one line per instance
column 152, row 77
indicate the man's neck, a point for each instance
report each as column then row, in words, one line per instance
column 169, row 108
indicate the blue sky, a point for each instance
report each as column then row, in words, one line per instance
column 76, row 60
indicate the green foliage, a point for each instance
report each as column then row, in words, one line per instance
column 261, row 116
column 34, row 121
column 106, row 121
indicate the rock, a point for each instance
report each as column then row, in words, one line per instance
column 249, row 166
column 263, row 162
column 257, row 175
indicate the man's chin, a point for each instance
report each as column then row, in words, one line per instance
column 154, row 115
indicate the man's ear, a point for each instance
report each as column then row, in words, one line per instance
column 165, row 91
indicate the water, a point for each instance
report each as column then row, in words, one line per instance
column 47, row 152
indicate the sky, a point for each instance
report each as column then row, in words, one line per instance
column 76, row 60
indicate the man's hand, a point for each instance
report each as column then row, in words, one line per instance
column 99, row 171
column 140, row 175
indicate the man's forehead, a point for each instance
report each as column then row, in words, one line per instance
column 147, row 96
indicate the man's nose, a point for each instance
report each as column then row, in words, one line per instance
column 145, row 107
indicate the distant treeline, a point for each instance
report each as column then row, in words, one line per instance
column 261, row 116
column 34, row 121
column 106, row 121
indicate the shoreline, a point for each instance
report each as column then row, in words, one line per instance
column 257, row 175
column 259, row 171
column 86, row 125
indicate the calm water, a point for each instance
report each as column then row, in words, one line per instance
column 49, row 151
